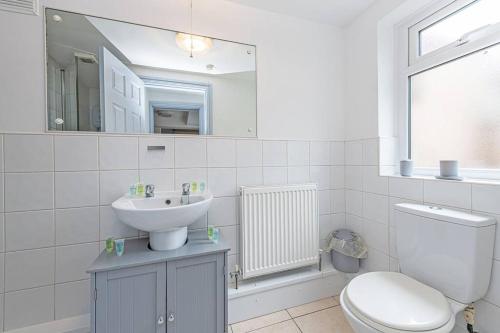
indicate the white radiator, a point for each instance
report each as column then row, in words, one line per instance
column 279, row 228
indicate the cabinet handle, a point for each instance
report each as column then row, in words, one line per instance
column 171, row 317
column 161, row 320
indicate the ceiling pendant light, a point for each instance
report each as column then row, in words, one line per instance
column 190, row 42
column 193, row 43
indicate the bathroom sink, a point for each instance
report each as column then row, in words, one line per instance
column 163, row 216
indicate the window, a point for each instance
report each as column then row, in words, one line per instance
column 451, row 81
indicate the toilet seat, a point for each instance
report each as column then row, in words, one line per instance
column 407, row 305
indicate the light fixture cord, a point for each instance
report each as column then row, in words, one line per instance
column 191, row 28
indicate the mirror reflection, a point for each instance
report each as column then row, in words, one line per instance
column 111, row 76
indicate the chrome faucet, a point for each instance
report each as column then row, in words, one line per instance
column 150, row 191
column 185, row 193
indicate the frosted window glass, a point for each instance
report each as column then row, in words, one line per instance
column 455, row 112
column 451, row 28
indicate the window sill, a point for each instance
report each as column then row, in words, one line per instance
column 466, row 180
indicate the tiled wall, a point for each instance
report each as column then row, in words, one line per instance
column 56, row 191
column 369, row 202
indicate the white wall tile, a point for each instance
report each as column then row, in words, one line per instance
column 354, row 178
column 339, row 221
column 274, row 153
column 72, row 299
column 407, row 188
column 337, row 153
column 251, row 176
column 75, row 153
column 115, row 184
column 355, row 223
column 162, row 179
column 337, row 177
column 325, row 226
column 393, row 252
column 230, row 236
column 354, row 202
column 77, row 189
column 2, row 272
column 190, row 175
column 248, row 153
column 486, row 198
column 28, row 153
column 452, row 194
column 487, row 317
column 275, row 175
column 376, row 261
column 353, row 153
column 118, row 152
column 370, row 152
column 376, row 207
column 320, row 153
column 223, row 211
column 493, row 294
column 321, row 176
column 338, row 201
column 1, row 155
column 222, row 181
column 201, row 223
column 2, row 233
column 72, row 261
column 29, row 230
column 373, row 182
column 1, row 193
column 377, row 236
column 77, row 225
column 190, row 152
column 110, row 226
column 156, row 159
column 324, row 202
column 29, row 191
column 298, row 153
column 29, row 269
column 298, row 174
column 221, row 152
column 29, row 307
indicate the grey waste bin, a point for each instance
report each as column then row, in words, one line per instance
column 342, row 262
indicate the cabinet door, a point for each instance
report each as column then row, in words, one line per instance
column 196, row 295
column 131, row 300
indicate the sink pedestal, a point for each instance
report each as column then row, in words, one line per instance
column 168, row 240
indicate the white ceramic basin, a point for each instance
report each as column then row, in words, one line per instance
column 163, row 216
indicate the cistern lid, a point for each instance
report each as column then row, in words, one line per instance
column 397, row 301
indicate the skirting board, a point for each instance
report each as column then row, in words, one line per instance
column 264, row 297
column 78, row 324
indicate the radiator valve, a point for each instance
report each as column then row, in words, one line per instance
column 236, row 274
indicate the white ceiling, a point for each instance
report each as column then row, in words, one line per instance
column 334, row 12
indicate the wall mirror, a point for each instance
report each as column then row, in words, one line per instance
column 116, row 77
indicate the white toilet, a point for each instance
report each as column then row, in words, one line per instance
column 445, row 259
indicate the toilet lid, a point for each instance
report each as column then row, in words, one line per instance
column 397, row 301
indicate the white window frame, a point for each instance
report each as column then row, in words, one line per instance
column 409, row 63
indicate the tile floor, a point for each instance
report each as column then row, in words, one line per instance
column 322, row 316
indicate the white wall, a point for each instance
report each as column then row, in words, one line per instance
column 298, row 62
column 361, row 98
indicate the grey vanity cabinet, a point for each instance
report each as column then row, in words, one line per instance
column 196, row 295
column 131, row 300
column 180, row 291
